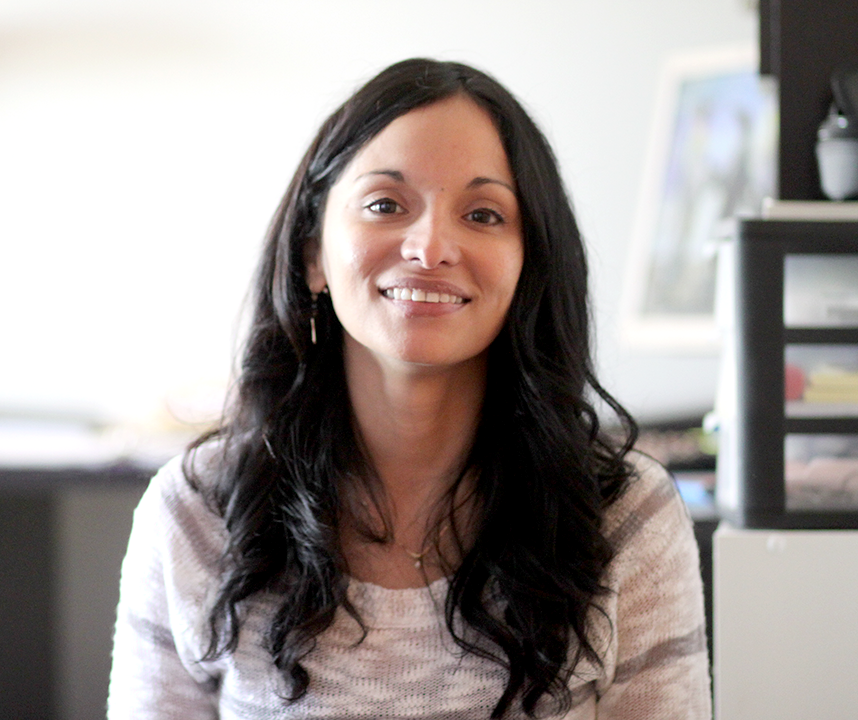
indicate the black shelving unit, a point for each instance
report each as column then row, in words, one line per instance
column 763, row 336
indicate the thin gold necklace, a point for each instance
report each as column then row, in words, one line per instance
column 417, row 557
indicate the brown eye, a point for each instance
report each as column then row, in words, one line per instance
column 385, row 206
column 483, row 216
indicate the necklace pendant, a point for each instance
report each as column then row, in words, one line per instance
column 418, row 563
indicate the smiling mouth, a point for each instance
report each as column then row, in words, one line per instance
column 416, row 295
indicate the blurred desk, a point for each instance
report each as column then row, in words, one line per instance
column 67, row 493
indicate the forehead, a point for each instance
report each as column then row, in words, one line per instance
column 449, row 136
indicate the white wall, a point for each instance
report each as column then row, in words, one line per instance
column 144, row 145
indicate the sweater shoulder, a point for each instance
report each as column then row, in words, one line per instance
column 650, row 500
column 175, row 507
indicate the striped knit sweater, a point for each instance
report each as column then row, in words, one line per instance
column 651, row 636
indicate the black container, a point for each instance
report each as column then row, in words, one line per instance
column 778, row 318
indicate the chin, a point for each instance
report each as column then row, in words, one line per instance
column 424, row 350
column 438, row 357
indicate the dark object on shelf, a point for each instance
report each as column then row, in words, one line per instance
column 844, row 85
column 802, row 42
column 793, row 464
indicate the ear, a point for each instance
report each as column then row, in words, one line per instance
column 315, row 273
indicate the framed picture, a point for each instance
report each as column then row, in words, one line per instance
column 712, row 157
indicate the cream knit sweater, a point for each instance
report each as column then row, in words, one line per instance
column 652, row 641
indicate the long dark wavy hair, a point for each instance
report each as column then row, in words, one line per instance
column 543, row 469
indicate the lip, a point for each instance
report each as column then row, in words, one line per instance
column 416, row 309
column 433, row 286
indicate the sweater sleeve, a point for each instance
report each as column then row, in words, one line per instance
column 658, row 646
column 155, row 674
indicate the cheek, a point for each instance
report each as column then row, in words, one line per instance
column 510, row 270
column 347, row 253
column 359, row 256
column 351, row 269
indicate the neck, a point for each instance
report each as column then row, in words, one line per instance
column 417, row 423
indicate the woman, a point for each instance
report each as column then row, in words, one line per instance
column 411, row 509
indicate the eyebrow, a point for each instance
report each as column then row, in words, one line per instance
column 479, row 181
column 475, row 183
column 394, row 174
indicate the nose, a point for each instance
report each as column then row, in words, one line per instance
column 432, row 241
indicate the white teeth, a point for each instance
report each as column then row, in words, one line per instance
column 417, row 295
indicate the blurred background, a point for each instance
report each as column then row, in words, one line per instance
column 144, row 146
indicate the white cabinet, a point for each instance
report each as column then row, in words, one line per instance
column 786, row 624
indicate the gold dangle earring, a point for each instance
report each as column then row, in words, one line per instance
column 313, row 312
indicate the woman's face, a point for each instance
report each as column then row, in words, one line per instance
column 421, row 243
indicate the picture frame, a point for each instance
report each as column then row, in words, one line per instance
column 712, row 157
